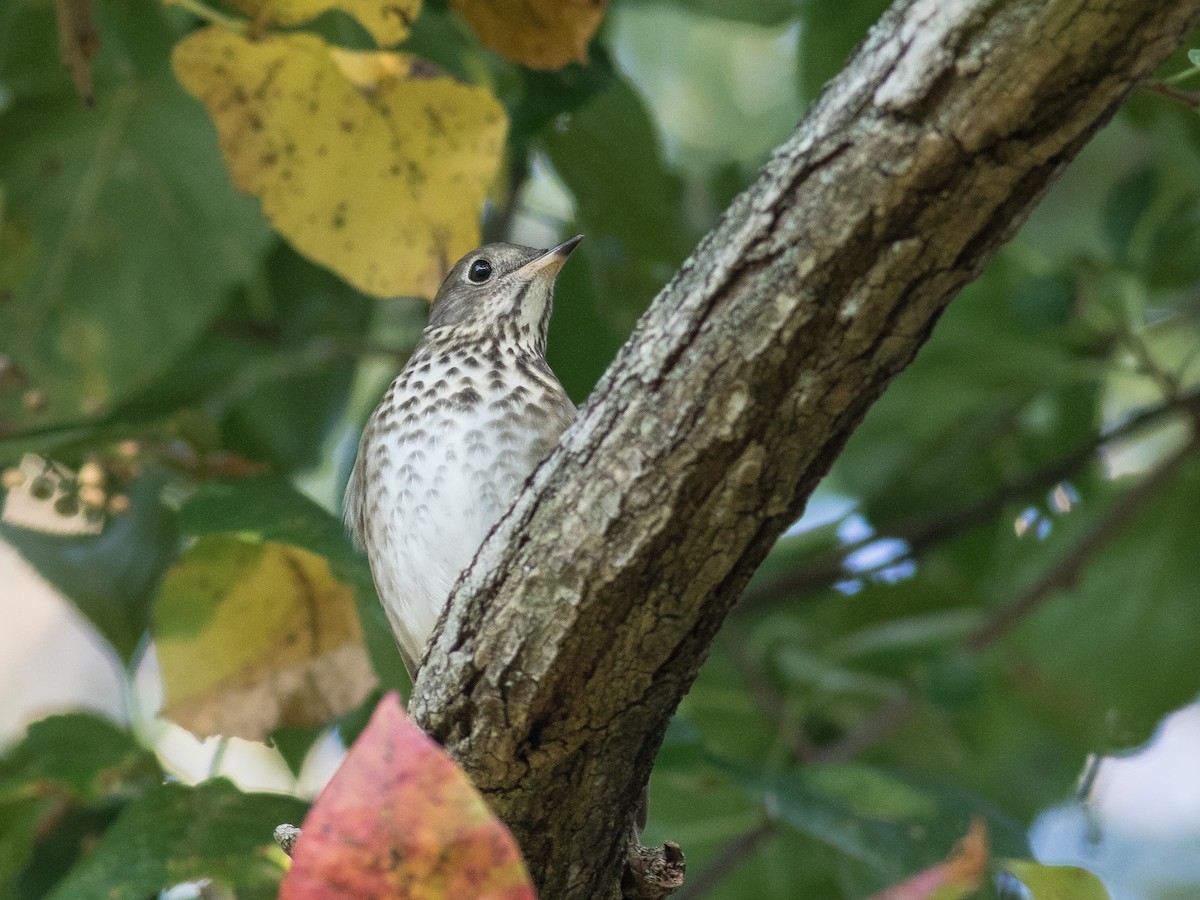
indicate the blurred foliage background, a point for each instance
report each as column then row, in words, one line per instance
column 992, row 592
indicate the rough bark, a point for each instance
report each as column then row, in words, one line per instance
column 587, row 613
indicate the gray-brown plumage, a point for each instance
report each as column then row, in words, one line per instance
column 459, row 431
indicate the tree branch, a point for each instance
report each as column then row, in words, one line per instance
column 730, row 858
column 588, row 611
column 1190, row 98
column 1065, row 571
column 922, row 534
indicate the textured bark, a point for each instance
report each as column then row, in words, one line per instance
column 587, row 613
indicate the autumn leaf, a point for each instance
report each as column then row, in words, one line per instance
column 958, row 877
column 400, row 819
column 373, row 164
column 540, row 34
column 255, row 635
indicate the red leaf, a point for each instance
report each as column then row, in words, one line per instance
column 959, row 876
column 400, row 820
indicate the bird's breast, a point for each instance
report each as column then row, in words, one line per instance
column 447, row 451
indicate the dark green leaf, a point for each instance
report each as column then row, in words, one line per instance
column 293, row 744
column 80, row 757
column 64, row 836
column 756, row 12
column 888, row 825
column 1125, row 206
column 636, row 237
column 830, row 30
column 110, row 577
column 276, row 369
column 138, row 233
column 1118, row 649
column 177, row 833
column 19, row 821
column 1171, row 261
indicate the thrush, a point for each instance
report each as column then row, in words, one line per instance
column 460, row 430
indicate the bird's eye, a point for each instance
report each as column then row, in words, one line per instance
column 480, row 271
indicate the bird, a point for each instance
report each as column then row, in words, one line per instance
column 458, row 433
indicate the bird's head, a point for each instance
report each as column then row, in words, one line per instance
column 502, row 288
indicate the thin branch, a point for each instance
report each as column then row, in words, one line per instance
column 286, row 836
column 729, row 859
column 770, row 702
column 922, row 534
column 1168, row 382
column 1066, row 571
column 498, row 226
column 202, row 10
column 873, row 729
column 1189, row 98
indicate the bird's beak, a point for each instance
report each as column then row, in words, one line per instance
column 547, row 264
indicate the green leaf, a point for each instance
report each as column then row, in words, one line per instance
column 682, row 747
column 1125, row 206
column 137, row 232
column 77, row 756
column 110, row 577
column 756, row 12
column 636, row 237
column 829, row 31
column 888, row 825
column 1194, row 57
column 993, row 395
column 288, row 414
column 294, row 742
column 20, row 818
column 60, row 786
column 1118, row 649
column 178, row 833
column 1056, row 882
column 1171, row 262
column 65, row 835
column 272, row 510
column 17, row 250
column 276, row 370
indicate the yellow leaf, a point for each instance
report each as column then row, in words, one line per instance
column 252, row 636
column 389, row 21
column 372, row 164
column 541, row 34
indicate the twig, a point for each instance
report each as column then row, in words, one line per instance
column 202, row 10
column 769, row 701
column 499, row 223
column 286, row 837
column 884, row 720
column 729, row 859
column 653, row 873
column 1066, row 571
column 1168, row 382
column 1190, row 98
column 218, row 757
column 922, row 534
column 870, row 731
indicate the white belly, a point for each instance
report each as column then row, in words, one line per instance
column 433, row 480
